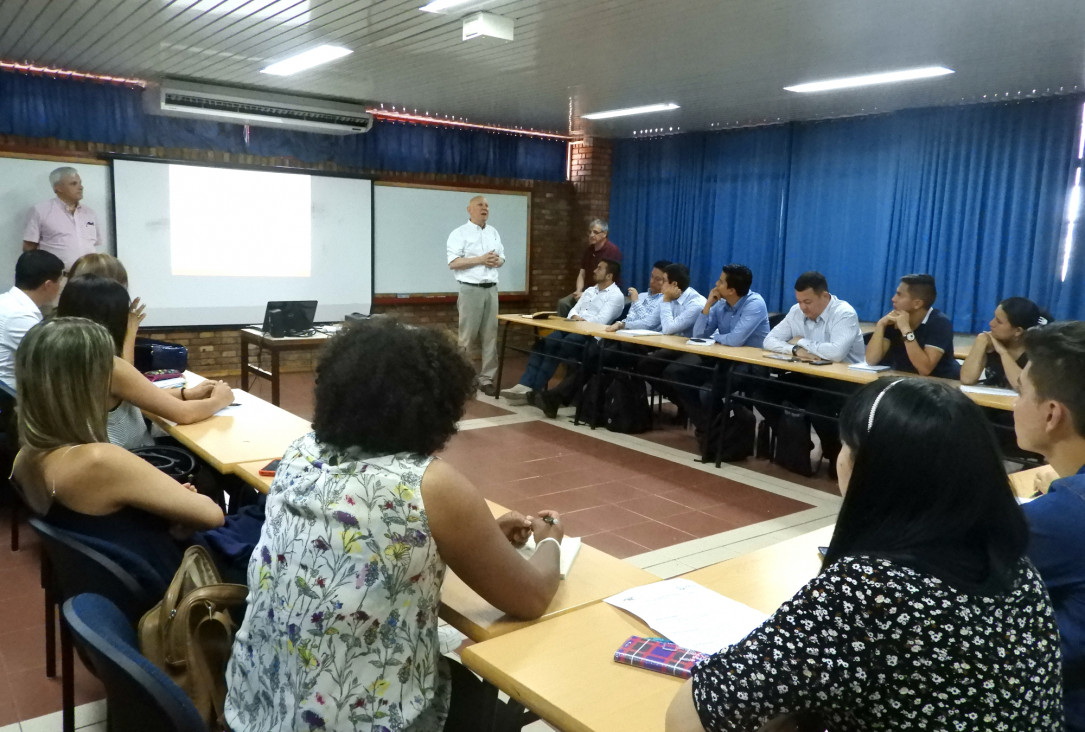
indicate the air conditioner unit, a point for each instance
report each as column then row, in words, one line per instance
column 175, row 98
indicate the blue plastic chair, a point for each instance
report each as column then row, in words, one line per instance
column 71, row 566
column 146, row 699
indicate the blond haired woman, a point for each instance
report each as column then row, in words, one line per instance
column 66, row 469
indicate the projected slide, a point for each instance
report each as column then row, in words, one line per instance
column 239, row 222
column 211, row 246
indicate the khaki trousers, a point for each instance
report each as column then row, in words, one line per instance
column 477, row 307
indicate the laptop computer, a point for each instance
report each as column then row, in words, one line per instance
column 289, row 318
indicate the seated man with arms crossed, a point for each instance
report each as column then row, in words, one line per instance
column 1049, row 417
column 643, row 315
column 913, row 336
column 37, row 284
column 819, row 326
column 733, row 315
column 601, row 303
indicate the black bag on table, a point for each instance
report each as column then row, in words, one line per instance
column 626, row 408
column 793, row 444
column 738, row 436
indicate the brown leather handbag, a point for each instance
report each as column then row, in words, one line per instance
column 189, row 633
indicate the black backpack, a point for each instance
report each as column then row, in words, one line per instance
column 793, row 444
column 590, row 405
column 626, row 408
column 738, row 436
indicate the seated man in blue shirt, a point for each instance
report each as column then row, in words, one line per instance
column 733, row 315
column 601, row 303
column 1049, row 418
column 677, row 315
column 913, row 336
column 643, row 315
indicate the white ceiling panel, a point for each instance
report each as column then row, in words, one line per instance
column 724, row 61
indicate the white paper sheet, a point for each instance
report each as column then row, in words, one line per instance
column 994, row 391
column 689, row 614
column 639, row 332
column 570, row 547
column 864, row 366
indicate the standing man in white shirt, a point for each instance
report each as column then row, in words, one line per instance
column 602, row 303
column 819, row 326
column 37, row 284
column 63, row 225
column 474, row 254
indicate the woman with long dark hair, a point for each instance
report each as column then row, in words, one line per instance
column 1001, row 350
column 926, row 614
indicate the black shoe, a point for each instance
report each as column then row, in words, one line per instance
column 489, row 390
column 549, row 402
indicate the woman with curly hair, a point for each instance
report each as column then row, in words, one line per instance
column 362, row 522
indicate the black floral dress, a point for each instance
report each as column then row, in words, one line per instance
column 870, row 644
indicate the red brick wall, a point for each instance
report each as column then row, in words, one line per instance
column 557, row 234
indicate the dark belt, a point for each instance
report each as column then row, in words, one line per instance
column 479, row 284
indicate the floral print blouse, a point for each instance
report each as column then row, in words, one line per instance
column 870, row 644
column 344, row 586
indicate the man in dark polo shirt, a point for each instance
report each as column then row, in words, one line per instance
column 600, row 247
column 913, row 336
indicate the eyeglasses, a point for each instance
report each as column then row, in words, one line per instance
column 594, row 232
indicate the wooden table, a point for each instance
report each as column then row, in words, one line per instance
column 564, row 669
column 740, row 354
column 250, row 473
column 593, row 576
column 275, row 346
column 254, row 431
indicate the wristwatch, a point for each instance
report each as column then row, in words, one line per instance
column 795, row 349
column 909, row 336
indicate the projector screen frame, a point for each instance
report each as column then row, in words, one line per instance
column 109, row 157
column 450, row 296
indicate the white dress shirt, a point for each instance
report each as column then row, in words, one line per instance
column 18, row 314
column 678, row 316
column 472, row 240
column 599, row 306
column 833, row 336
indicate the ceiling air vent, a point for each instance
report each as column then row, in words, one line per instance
column 193, row 100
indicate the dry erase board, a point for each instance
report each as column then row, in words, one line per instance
column 24, row 181
column 411, row 225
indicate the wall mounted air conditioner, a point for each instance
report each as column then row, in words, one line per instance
column 175, row 98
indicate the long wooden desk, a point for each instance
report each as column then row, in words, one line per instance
column 740, row 354
column 564, row 669
column 593, row 576
column 257, row 430
column 274, row 346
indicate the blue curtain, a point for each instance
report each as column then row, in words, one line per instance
column 35, row 106
column 975, row 195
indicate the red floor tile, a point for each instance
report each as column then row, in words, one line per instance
column 601, row 518
column 654, row 507
column 8, row 712
column 615, row 492
column 37, row 695
column 25, row 649
column 700, row 524
column 614, row 545
column 695, row 498
column 654, row 535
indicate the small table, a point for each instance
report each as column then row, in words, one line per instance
column 564, row 669
column 256, row 337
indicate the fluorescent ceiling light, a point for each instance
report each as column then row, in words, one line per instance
column 440, row 6
column 306, row 60
column 887, row 77
column 631, row 110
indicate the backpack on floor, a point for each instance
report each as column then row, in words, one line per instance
column 793, row 444
column 738, row 436
column 589, row 409
column 626, row 408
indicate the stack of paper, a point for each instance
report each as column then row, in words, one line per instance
column 170, row 383
column 993, row 391
column 570, row 547
column 690, row 615
column 639, row 332
column 864, row 366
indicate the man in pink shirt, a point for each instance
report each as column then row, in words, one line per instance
column 63, row 225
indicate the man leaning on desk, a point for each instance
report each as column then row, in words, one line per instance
column 475, row 253
column 914, row 336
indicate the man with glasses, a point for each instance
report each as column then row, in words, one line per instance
column 600, row 247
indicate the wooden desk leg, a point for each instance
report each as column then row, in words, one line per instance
column 275, row 376
column 244, row 364
column 501, row 360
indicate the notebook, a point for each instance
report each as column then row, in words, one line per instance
column 864, row 366
column 659, row 654
column 570, row 547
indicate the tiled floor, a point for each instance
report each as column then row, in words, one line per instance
column 643, row 498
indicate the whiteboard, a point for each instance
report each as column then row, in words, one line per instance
column 411, row 228
column 25, row 182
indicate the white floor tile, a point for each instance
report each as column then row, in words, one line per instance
column 88, row 718
column 10, row 728
column 49, row 723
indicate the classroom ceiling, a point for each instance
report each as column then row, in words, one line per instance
column 724, row 61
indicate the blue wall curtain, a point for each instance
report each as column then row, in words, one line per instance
column 974, row 195
column 35, row 106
